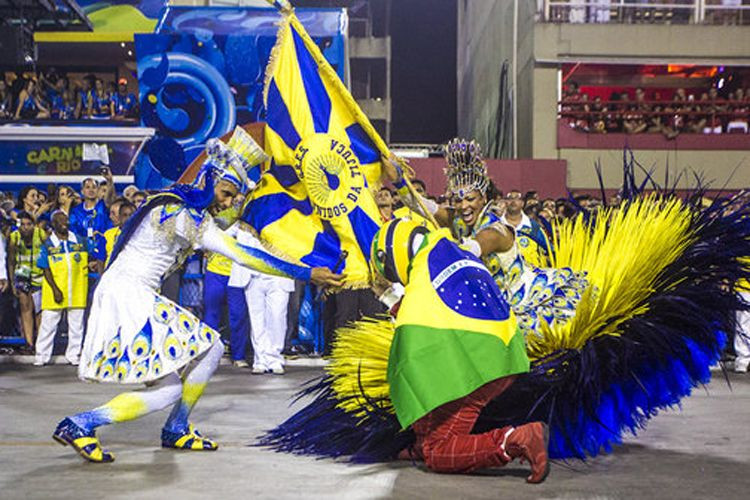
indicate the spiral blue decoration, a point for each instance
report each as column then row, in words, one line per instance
column 190, row 101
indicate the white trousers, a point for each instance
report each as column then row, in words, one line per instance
column 742, row 337
column 267, row 301
column 45, row 341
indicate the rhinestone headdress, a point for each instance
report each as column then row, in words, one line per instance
column 466, row 171
column 237, row 159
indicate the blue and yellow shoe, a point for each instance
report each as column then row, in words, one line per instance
column 85, row 442
column 190, row 440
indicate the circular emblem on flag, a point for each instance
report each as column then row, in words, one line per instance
column 331, row 173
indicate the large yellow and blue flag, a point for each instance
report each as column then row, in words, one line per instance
column 314, row 203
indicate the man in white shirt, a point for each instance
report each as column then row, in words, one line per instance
column 267, row 298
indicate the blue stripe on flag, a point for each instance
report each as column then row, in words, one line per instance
column 317, row 97
column 269, row 208
column 362, row 146
column 326, row 250
column 364, row 229
column 284, row 174
column 278, row 117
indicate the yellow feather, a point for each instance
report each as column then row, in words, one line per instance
column 359, row 361
column 623, row 257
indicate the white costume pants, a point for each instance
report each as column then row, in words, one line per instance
column 48, row 327
column 267, row 300
column 742, row 338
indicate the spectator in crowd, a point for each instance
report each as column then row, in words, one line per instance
column 6, row 101
column 24, row 251
column 114, row 212
column 17, row 83
column 384, row 201
column 53, row 86
column 28, row 201
column 694, row 122
column 64, row 261
column 102, row 191
column 635, row 120
column 598, row 116
column 65, row 108
column 101, row 106
column 405, row 212
column 125, row 103
column 532, row 241
column 499, row 202
column 128, row 192
column 739, row 108
column 419, row 186
column 30, row 104
column 92, row 217
column 713, row 107
column 124, row 210
column 65, row 199
column 83, row 99
column 565, row 209
column 45, row 205
column 583, row 113
column 139, row 197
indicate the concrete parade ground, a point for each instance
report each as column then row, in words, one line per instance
column 700, row 451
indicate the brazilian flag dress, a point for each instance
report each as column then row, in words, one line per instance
column 454, row 331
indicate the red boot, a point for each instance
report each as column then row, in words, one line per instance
column 529, row 442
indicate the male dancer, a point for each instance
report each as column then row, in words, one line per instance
column 135, row 335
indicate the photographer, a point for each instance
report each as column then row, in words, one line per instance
column 23, row 251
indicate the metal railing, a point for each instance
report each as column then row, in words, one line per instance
column 646, row 11
column 687, row 116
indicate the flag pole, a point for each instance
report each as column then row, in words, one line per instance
column 286, row 9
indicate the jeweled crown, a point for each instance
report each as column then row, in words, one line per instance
column 466, row 170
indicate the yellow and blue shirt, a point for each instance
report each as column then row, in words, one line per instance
column 68, row 262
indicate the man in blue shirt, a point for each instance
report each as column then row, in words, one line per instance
column 90, row 219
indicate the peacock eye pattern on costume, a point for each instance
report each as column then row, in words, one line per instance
column 142, row 368
column 169, row 338
column 113, row 347
column 141, row 345
column 123, row 366
column 163, row 311
column 172, row 348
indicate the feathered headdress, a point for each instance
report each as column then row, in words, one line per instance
column 466, row 171
column 237, row 161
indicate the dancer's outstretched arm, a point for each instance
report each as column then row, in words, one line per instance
column 216, row 240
